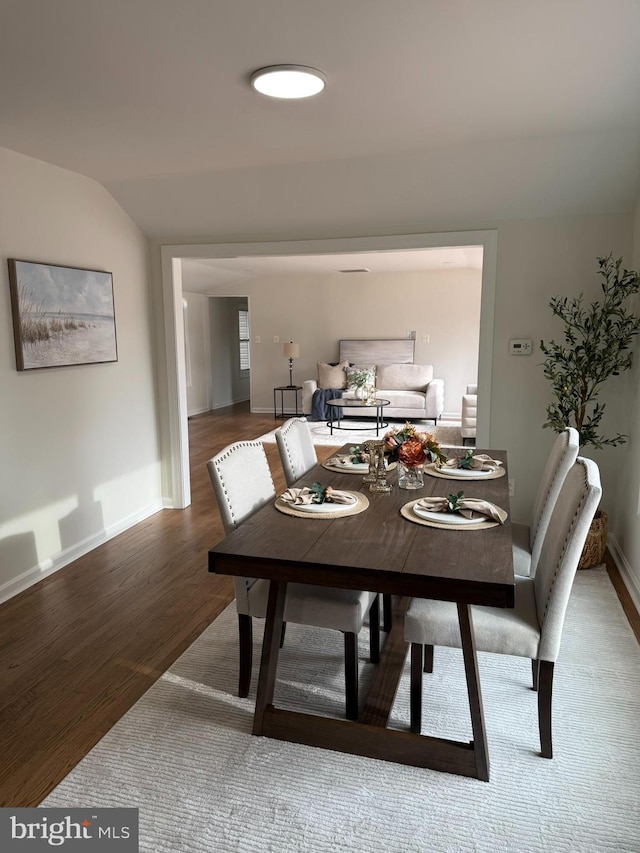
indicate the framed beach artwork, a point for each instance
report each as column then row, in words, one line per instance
column 61, row 315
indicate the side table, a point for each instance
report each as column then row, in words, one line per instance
column 281, row 389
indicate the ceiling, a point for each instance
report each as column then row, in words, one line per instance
column 151, row 98
column 209, row 275
column 132, row 88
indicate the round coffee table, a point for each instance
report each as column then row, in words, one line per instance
column 335, row 412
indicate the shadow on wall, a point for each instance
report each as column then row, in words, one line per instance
column 82, row 523
column 18, row 555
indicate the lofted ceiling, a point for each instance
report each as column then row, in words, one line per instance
column 151, row 98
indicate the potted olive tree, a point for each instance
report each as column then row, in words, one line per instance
column 597, row 344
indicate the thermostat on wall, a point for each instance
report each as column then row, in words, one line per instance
column 523, row 346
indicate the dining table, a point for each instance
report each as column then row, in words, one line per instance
column 383, row 548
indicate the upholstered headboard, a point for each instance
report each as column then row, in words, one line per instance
column 364, row 353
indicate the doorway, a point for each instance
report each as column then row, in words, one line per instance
column 175, row 438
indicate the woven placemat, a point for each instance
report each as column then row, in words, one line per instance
column 409, row 514
column 432, row 471
column 344, row 469
column 362, row 502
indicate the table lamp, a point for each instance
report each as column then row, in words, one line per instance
column 291, row 351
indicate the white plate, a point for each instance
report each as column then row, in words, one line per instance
column 463, row 472
column 445, row 517
column 360, row 466
column 325, row 507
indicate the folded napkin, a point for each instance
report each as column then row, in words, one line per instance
column 307, row 495
column 481, row 462
column 346, row 459
column 468, row 507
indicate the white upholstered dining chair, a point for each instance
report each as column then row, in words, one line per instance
column 528, row 538
column 242, row 484
column 295, row 446
column 533, row 629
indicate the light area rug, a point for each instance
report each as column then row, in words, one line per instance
column 447, row 433
column 184, row 754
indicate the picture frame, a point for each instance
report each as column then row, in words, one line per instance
column 62, row 316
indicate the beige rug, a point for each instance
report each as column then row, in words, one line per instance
column 185, row 756
column 446, row 432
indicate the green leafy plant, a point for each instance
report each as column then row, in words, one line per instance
column 465, row 461
column 453, row 501
column 319, row 493
column 597, row 345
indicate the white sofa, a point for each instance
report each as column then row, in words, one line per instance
column 412, row 391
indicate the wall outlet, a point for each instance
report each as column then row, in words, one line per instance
column 257, row 339
column 276, row 339
column 512, row 487
column 426, row 339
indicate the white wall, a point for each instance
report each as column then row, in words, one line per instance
column 626, row 536
column 538, row 259
column 79, row 458
column 317, row 311
column 198, row 353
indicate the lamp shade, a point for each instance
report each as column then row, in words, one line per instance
column 291, row 350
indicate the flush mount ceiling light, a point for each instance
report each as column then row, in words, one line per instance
column 288, row 81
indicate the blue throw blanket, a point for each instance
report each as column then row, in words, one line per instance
column 319, row 410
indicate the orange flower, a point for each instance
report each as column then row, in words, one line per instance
column 411, row 453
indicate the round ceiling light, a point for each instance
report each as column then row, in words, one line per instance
column 288, row 81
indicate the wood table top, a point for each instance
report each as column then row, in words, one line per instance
column 378, row 549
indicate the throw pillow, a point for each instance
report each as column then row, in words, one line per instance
column 332, row 375
column 358, row 377
column 404, row 377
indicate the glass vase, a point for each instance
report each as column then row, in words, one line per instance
column 410, row 477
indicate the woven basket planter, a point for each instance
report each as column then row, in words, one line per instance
column 594, row 547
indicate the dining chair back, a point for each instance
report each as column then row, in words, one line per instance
column 528, row 539
column 533, row 629
column 242, row 484
column 295, row 446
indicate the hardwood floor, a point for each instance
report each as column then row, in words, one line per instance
column 78, row 649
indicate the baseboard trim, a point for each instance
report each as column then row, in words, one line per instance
column 74, row 552
column 624, row 567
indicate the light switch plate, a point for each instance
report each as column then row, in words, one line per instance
column 521, row 346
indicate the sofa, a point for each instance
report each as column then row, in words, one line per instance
column 469, row 414
column 411, row 389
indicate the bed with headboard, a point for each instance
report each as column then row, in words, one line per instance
column 411, row 389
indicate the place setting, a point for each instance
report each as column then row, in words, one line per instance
column 356, row 461
column 469, row 466
column 318, row 501
column 454, row 512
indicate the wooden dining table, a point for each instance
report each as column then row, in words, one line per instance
column 382, row 551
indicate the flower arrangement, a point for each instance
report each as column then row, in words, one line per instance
column 411, row 447
column 359, row 377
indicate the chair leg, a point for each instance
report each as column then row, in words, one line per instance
column 351, row 674
column 545, row 691
column 282, row 633
column 535, row 672
column 374, row 631
column 245, row 632
column 428, row 659
column 415, row 688
column 387, row 607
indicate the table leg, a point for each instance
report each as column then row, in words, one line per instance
column 473, row 690
column 270, row 651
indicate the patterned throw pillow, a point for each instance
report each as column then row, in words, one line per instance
column 358, row 377
column 332, row 375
